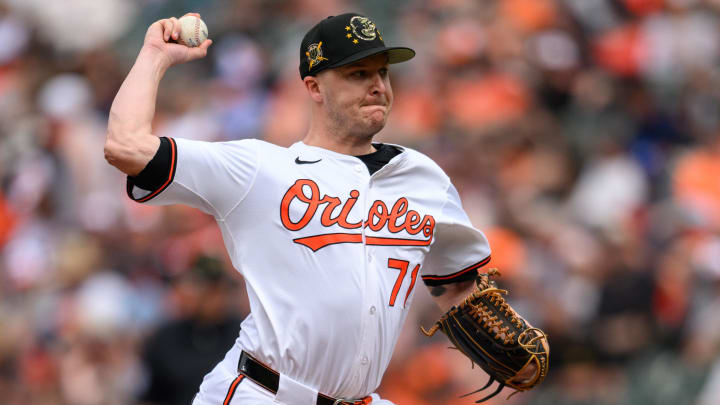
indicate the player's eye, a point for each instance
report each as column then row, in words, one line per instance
column 358, row 73
column 383, row 72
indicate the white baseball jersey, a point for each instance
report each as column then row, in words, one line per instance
column 331, row 255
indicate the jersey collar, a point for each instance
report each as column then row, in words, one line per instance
column 314, row 152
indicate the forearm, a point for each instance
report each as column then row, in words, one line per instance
column 133, row 109
column 447, row 296
column 130, row 143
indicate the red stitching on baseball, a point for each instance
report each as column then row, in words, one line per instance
column 197, row 31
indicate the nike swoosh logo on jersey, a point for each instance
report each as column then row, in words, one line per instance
column 305, row 162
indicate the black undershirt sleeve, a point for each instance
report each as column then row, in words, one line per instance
column 155, row 173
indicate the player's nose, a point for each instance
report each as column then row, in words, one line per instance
column 378, row 86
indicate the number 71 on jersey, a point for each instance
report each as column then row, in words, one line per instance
column 403, row 266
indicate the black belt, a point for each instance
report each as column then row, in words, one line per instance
column 270, row 380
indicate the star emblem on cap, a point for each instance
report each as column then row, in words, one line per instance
column 349, row 35
column 347, row 28
column 314, row 54
column 355, row 41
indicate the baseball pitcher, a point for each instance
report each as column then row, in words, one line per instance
column 332, row 234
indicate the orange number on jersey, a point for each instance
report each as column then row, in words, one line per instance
column 402, row 265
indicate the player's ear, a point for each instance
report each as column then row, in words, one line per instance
column 313, row 87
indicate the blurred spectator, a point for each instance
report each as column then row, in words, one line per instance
column 180, row 352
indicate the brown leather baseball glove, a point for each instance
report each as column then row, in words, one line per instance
column 489, row 332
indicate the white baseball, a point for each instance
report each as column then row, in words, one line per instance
column 193, row 31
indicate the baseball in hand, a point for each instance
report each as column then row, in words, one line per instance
column 193, row 31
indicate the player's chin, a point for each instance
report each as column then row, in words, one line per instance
column 376, row 119
column 373, row 126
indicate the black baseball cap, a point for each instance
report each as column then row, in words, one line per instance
column 343, row 39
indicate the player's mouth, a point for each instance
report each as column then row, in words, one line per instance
column 373, row 107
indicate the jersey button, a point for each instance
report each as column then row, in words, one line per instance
column 359, row 168
column 372, row 310
column 364, row 360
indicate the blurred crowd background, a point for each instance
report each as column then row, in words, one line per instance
column 583, row 135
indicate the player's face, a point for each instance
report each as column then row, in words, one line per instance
column 358, row 97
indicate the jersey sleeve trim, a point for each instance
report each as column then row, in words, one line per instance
column 468, row 273
column 169, row 179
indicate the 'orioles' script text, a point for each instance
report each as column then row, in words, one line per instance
column 396, row 219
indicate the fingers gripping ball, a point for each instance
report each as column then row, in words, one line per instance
column 488, row 331
column 193, row 31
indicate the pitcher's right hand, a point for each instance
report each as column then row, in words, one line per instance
column 159, row 40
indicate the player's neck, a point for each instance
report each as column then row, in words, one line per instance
column 348, row 144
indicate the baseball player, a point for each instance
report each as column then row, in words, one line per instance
column 330, row 234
